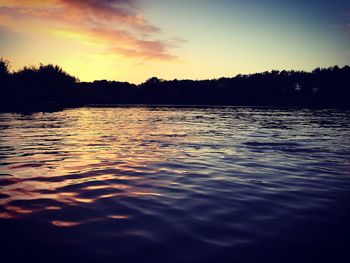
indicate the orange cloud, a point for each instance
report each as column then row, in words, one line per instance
column 116, row 25
column 27, row 3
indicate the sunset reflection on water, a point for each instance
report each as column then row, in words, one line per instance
column 125, row 184
column 78, row 159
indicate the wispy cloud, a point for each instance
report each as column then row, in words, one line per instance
column 345, row 25
column 345, row 28
column 116, row 25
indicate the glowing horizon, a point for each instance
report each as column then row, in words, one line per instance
column 132, row 40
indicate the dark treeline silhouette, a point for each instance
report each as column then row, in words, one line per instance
column 49, row 86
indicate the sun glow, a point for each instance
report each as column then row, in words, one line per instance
column 135, row 40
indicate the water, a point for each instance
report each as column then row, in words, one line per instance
column 175, row 185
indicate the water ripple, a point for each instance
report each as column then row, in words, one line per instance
column 176, row 185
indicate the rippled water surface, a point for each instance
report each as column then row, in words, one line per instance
column 175, row 185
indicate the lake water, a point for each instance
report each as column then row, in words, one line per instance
column 175, row 185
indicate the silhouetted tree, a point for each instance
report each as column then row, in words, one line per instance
column 48, row 83
column 4, row 67
column 4, row 78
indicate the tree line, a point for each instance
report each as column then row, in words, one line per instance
column 49, row 85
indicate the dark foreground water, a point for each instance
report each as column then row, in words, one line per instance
column 175, row 185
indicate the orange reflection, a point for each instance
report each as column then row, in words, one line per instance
column 53, row 208
column 65, row 223
column 96, row 154
column 5, row 215
column 118, row 217
column 19, row 210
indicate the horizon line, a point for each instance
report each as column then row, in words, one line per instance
column 8, row 62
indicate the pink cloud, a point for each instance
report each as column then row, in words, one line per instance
column 110, row 11
column 117, row 24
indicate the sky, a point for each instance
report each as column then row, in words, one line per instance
column 133, row 40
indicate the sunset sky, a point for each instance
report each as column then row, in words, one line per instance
column 133, row 40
